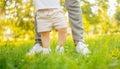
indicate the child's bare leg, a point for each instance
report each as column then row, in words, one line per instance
column 62, row 33
column 61, row 40
column 45, row 39
column 45, row 42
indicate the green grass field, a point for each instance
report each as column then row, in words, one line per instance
column 105, row 55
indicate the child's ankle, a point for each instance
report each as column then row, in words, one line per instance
column 60, row 45
column 45, row 47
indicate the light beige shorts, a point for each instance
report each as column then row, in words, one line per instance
column 49, row 18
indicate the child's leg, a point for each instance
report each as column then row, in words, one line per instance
column 45, row 39
column 62, row 36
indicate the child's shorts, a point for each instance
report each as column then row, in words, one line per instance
column 49, row 18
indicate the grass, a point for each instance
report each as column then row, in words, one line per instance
column 105, row 55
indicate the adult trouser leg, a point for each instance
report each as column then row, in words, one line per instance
column 75, row 16
column 37, row 37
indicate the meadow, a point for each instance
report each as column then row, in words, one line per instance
column 105, row 54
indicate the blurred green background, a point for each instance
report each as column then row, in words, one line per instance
column 101, row 19
column 17, row 18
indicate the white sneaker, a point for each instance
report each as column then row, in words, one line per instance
column 46, row 50
column 36, row 48
column 60, row 49
column 82, row 48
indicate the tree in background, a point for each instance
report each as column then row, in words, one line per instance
column 117, row 18
column 18, row 15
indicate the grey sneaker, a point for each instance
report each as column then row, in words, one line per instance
column 59, row 49
column 82, row 48
column 36, row 48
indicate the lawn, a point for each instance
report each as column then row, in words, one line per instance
column 105, row 54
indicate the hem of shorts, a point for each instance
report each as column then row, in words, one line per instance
column 61, row 27
column 44, row 31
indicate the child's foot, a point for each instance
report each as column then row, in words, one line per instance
column 60, row 49
column 46, row 50
column 82, row 48
column 36, row 48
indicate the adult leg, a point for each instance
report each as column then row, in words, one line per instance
column 38, row 44
column 75, row 16
column 37, row 37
